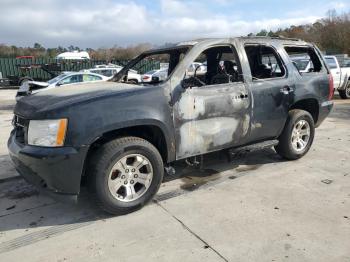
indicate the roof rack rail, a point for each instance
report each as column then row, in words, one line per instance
column 280, row 37
column 286, row 38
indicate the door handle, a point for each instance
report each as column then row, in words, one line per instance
column 242, row 96
column 286, row 90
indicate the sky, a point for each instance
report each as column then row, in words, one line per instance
column 107, row 23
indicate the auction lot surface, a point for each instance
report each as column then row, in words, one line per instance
column 257, row 207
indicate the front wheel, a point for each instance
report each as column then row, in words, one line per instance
column 297, row 136
column 127, row 173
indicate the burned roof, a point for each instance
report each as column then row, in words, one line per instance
column 242, row 39
column 258, row 39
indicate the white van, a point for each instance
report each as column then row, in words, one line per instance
column 75, row 55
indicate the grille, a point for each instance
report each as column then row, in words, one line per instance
column 21, row 126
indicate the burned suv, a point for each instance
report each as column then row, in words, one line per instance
column 120, row 135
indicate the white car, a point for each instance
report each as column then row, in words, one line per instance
column 304, row 65
column 75, row 55
column 109, row 71
column 199, row 68
column 161, row 75
column 66, row 78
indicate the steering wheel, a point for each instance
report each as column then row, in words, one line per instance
column 199, row 82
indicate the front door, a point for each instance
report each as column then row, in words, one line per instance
column 213, row 110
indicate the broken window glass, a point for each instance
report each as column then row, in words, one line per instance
column 264, row 62
column 304, row 58
column 216, row 65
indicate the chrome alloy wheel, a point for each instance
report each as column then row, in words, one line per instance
column 130, row 177
column 300, row 135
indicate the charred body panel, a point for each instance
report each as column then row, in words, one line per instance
column 60, row 169
column 208, row 119
column 103, row 110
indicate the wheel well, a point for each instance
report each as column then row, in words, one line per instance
column 152, row 134
column 309, row 105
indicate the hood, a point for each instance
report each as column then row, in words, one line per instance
column 63, row 96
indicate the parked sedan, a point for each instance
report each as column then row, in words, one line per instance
column 199, row 68
column 66, row 78
column 304, row 65
column 159, row 74
column 109, row 71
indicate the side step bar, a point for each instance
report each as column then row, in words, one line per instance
column 232, row 153
column 253, row 147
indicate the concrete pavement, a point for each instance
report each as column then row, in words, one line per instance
column 255, row 208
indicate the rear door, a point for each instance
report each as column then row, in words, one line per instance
column 271, row 90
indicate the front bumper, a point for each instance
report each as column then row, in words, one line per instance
column 325, row 109
column 56, row 171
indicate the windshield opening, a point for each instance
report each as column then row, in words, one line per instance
column 153, row 66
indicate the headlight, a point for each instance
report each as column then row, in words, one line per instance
column 50, row 133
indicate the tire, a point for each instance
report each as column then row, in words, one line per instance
column 110, row 164
column 345, row 94
column 296, row 119
column 133, row 81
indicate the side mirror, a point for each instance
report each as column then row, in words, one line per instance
column 58, row 84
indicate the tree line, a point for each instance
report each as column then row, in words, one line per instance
column 107, row 54
column 331, row 34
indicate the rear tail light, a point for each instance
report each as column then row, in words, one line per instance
column 331, row 87
column 145, row 77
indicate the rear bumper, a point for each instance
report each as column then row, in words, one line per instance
column 56, row 171
column 325, row 109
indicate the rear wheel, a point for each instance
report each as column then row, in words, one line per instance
column 297, row 136
column 127, row 173
column 345, row 94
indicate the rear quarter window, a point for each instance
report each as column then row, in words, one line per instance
column 304, row 58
